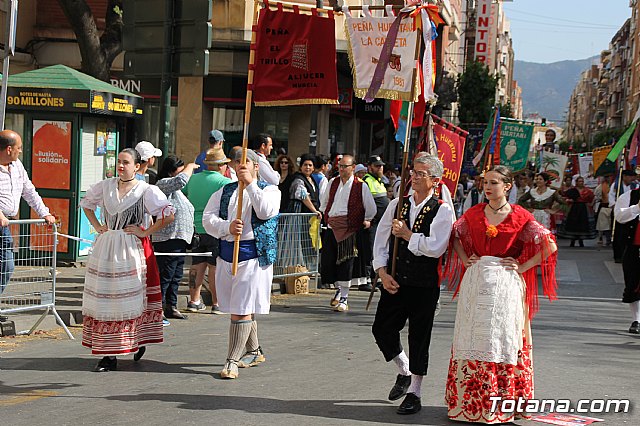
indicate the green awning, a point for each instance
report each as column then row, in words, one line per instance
column 60, row 88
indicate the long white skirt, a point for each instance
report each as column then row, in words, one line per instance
column 490, row 313
column 114, row 288
column 248, row 292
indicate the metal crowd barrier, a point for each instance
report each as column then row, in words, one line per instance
column 298, row 250
column 28, row 270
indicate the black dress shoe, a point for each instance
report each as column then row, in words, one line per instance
column 106, row 364
column 400, row 388
column 365, row 287
column 138, row 355
column 173, row 312
column 635, row 328
column 410, row 405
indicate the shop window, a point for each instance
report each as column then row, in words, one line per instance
column 230, row 122
column 147, row 128
column 15, row 122
column 276, row 123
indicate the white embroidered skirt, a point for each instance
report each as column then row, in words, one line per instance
column 114, row 288
column 490, row 313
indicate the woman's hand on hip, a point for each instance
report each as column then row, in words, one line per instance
column 135, row 230
column 472, row 260
column 510, row 264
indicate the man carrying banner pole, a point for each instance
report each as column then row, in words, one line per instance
column 406, row 296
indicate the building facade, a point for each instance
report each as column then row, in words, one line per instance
column 605, row 96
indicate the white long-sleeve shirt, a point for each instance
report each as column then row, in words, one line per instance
column 341, row 200
column 266, row 171
column 613, row 193
column 469, row 199
column 265, row 202
column 420, row 245
column 623, row 211
column 15, row 184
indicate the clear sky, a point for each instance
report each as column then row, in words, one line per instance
column 556, row 30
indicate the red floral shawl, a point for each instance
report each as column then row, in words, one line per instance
column 519, row 236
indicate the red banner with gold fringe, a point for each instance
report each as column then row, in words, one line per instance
column 451, row 153
column 295, row 58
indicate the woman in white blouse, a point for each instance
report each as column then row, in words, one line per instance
column 122, row 301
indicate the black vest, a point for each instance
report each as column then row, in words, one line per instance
column 314, row 195
column 412, row 270
column 625, row 232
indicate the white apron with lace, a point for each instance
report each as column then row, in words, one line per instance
column 540, row 214
column 490, row 313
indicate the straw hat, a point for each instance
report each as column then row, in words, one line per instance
column 215, row 156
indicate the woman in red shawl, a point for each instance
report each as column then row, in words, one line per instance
column 496, row 248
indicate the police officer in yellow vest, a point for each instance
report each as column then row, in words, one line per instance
column 373, row 179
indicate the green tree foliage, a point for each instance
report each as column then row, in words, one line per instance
column 506, row 111
column 604, row 137
column 476, row 94
column 446, row 91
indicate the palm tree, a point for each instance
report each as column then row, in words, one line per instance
column 548, row 161
column 551, row 161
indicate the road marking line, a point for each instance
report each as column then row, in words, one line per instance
column 24, row 397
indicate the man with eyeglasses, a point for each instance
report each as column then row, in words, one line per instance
column 413, row 292
column 348, row 207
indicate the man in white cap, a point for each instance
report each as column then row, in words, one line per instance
column 216, row 140
column 148, row 154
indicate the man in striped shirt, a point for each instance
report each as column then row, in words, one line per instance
column 14, row 184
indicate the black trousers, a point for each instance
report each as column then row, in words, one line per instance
column 416, row 304
column 618, row 244
column 631, row 271
column 170, row 268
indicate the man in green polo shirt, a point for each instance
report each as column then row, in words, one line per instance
column 199, row 189
column 373, row 179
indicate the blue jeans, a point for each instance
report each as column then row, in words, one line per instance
column 6, row 257
column 170, row 268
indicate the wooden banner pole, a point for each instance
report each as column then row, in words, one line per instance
column 245, row 131
column 621, row 164
column 405, row 166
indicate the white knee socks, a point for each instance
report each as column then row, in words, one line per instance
column 402, row 362
column 635, row 310
column 415, row 386
column 344, row 288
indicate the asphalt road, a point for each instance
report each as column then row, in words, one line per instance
column 322, row 367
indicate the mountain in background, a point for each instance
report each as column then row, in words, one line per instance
column 546, row 88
